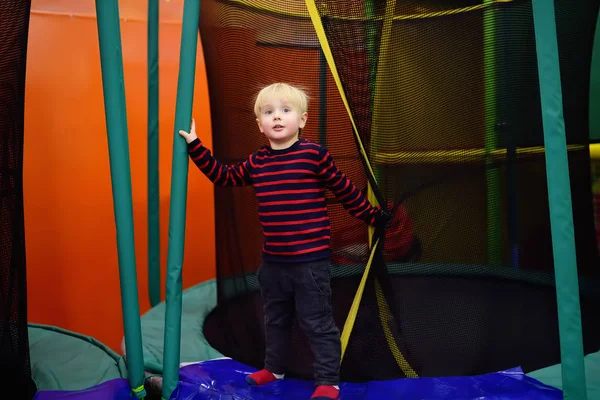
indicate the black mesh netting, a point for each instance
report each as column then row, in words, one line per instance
column 15, row 371
column 445, row 97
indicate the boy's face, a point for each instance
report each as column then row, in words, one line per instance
column 280, row 122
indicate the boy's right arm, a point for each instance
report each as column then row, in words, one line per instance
column 217, row 172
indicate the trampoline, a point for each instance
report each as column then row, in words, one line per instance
column 438, row 110
column 199, row 317
column 469, row 120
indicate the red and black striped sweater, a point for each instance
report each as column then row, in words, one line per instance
column 290, row 187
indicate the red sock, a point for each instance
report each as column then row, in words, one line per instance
column 261, row 377
column 325, row 393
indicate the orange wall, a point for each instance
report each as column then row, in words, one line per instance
column 73, row 276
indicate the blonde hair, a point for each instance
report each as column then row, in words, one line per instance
column 294, row 94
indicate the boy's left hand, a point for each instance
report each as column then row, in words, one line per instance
column 383, row 218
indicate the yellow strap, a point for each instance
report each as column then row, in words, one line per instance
column 316, row 20
column 384, row 313
column 139, row 389
column 345, row 337
column 594, row 151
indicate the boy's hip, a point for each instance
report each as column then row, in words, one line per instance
column 309, row 277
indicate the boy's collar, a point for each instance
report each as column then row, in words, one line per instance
column 284, row 150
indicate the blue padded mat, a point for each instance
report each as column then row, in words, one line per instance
column 225, row 379
column 113, row 389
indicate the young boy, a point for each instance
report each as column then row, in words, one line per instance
column 290, row 176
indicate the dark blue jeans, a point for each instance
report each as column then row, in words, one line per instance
column 303, row 290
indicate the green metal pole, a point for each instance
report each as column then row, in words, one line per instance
column 153, row 182
column 179, row 176
column 559, row 197
column 111, row 59
column 494, row 222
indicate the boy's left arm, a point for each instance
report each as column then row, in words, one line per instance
column 348, row 194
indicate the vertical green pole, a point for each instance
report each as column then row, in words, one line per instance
column 559, row 197
column 111, row 61
column 179, row 175
column 491, row 139
column 153, row 182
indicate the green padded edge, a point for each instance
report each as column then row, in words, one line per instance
column 552, row 375
column 55, row 376
column 198, row 302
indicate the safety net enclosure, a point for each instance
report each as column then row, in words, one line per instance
column 15, row 367
column 444, row 98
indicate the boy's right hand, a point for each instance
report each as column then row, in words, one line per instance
column 189, row 137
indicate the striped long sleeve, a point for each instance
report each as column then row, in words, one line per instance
column 219, row 173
